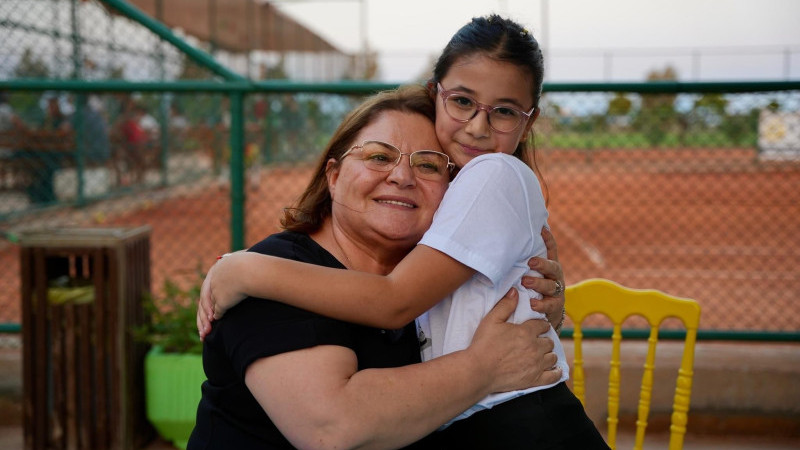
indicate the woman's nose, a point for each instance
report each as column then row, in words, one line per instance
column 402, row 174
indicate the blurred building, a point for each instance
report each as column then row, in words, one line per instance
column 256, row 39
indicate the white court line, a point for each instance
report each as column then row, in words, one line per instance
column 680, row 250
column 591, row 252
column 709, row 274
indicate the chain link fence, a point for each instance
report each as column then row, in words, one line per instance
column 693, row 193
column 691, row 189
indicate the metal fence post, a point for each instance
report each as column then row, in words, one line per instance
column 237, row 170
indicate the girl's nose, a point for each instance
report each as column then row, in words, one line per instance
column 478, row 126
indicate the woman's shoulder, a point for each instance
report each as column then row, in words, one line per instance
column 296, row 246
column 276, row 244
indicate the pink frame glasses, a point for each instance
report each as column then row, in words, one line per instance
column 464, row 113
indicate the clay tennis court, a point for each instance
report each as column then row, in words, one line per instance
column 715, row 225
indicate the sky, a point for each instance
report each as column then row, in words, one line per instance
column 583, row 40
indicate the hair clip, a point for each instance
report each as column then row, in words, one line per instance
column 524, row 32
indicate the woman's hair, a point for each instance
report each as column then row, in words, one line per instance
column 314, row 205
column 504, row 40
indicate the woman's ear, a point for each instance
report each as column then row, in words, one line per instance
column 332, row 173
column 430, row 86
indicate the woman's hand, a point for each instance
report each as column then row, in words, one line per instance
column 551, row 286
column 218, row 293
column 515, row 355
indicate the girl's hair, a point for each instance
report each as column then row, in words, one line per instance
column 314, row 205
column 502, row 40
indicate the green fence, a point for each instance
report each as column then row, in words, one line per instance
column 691, row 188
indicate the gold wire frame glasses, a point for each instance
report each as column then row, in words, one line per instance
column 383, row 157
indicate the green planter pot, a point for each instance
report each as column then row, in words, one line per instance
column 172, row 392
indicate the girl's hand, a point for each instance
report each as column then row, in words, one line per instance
column 217, row 294
column 551, row 286
column 205, row 306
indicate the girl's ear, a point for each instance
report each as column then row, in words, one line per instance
column 529, row 123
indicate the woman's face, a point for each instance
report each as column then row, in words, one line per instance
column 393, row 205
column 493, row 83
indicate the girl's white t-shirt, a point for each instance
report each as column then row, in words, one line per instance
column 490, row 219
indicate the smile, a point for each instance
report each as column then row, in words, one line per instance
column 395, row 202
column 473, row 150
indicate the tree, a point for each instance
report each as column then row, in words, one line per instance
column 275, row 72
column 116, row 73
column 658, row 115
column 619, row 108
column 708, row 111
column 741, row 129
column 363, row 67
column 26, row 104
column 620, row 105
column 191, row 71
column 713, row 102
column 31, row 67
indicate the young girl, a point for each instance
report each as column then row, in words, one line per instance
column 487, row 85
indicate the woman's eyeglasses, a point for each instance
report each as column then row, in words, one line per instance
column 383, row 157
column 462, row 108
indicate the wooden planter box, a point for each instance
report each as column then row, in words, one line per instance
column 83, row 379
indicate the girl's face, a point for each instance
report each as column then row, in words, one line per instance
column 490, row 82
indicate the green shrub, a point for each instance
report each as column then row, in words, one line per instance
column 172, row 323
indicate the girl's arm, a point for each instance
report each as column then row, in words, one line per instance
column 419, row 281
column 223, row 288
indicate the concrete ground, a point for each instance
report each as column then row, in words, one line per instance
column 744, row 396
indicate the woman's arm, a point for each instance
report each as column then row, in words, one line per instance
column 318, row 399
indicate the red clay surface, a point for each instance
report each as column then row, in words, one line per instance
column 714, row 225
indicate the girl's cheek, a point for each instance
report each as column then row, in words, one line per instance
column 442, row 132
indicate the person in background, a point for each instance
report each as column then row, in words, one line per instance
column 135, row 142
column 12, row 130
column 9, row 122
column 95, row 138
column 55, row 129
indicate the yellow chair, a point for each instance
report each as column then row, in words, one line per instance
column 618, row 303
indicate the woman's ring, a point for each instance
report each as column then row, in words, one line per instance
column 559, row 288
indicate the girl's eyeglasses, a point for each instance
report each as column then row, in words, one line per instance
column 462, row 108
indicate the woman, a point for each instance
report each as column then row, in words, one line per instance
column 280, row 377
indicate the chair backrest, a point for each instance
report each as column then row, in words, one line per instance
column 618, row 303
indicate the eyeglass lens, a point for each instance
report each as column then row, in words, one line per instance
column 426, row 164
column 464, row 108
